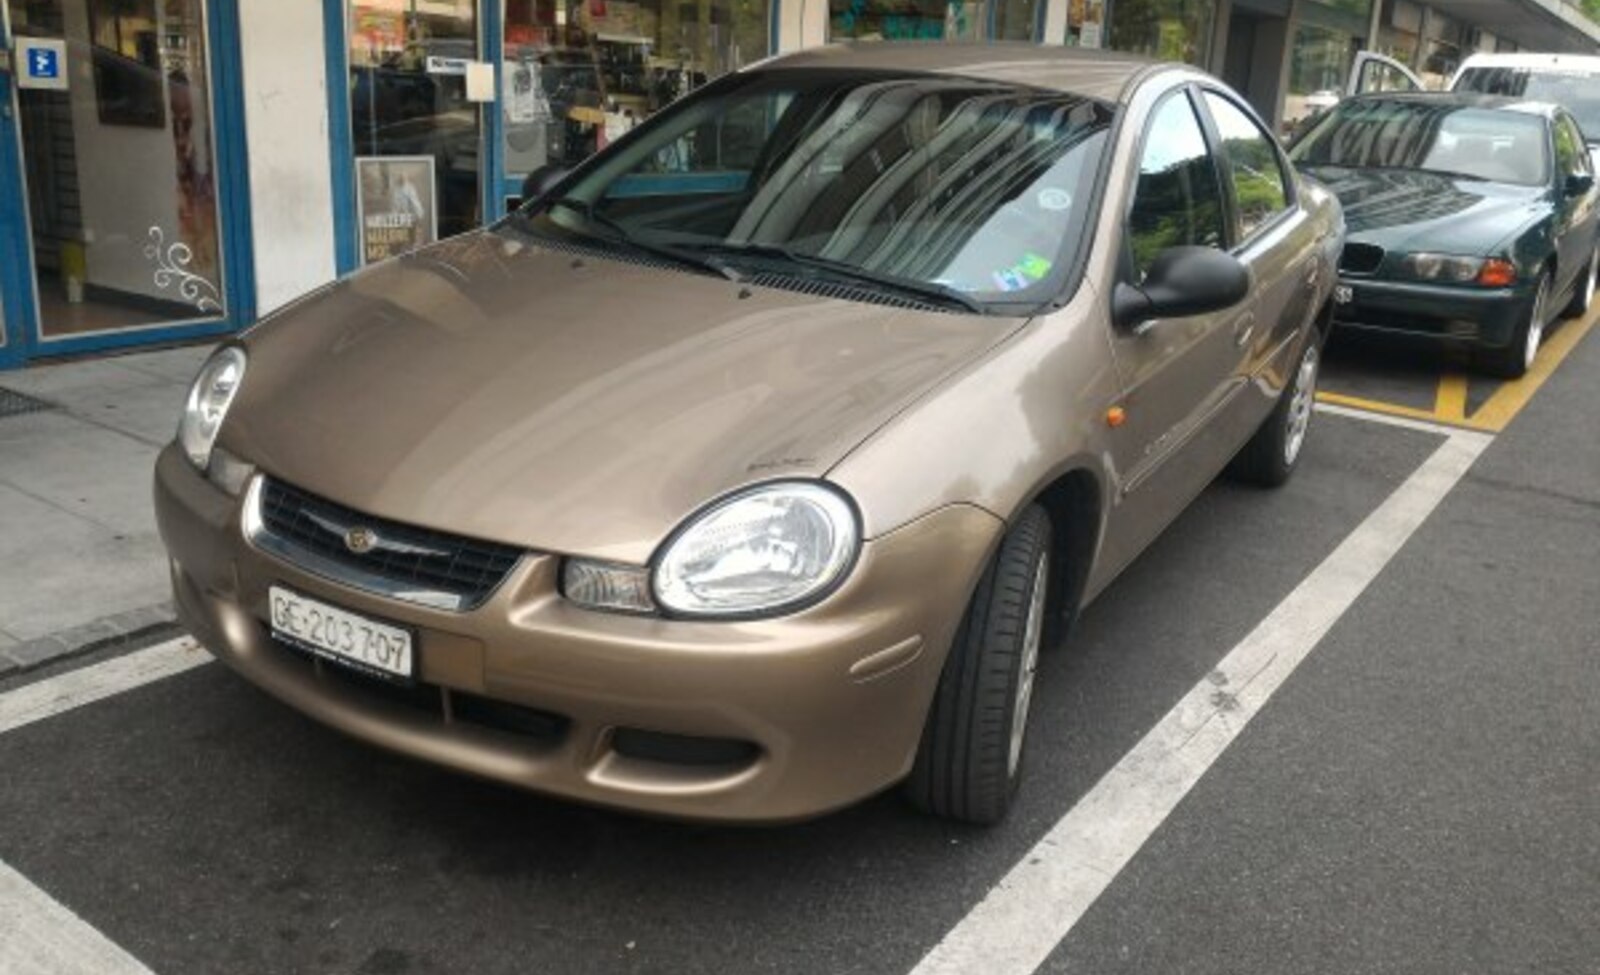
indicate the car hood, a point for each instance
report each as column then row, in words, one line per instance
column 500, row 388
column 1408, row 210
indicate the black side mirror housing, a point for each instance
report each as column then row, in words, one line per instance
column 1182, row 281
column 1579, row 183
column 541, row 180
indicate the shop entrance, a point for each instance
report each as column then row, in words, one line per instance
column 119, row 233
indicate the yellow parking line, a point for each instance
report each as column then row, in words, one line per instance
column 1394, row 409
column 1510, row 398
column 1450, row 403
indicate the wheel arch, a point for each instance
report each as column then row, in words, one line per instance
column 1076, row 505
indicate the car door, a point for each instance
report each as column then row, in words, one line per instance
column 1274, row 237
column 1374, row 72
column 1177, row 374
column 1575, row 208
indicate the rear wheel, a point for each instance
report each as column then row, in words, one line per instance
column 969, row 762
column 1513, row 361
column 1271, row 456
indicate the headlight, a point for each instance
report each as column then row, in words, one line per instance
column 1448, row 268
column 761, row 551
column 209, row 399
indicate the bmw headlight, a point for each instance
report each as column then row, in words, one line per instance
column 207, row 406
column 1448, row 268
column 763, row 550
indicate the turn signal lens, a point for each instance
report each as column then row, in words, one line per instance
column 607, row 585
column 1497, row 273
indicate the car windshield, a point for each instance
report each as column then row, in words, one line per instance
column 974, row 190
column 1576, row 91
column 1430, row 134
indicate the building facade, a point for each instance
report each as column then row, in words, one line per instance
column 173, row 169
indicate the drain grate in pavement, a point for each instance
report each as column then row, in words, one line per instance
column 13, row 403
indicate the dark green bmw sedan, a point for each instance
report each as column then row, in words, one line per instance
column 1470, row 219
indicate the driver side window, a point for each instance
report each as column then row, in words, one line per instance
column 1178, row 200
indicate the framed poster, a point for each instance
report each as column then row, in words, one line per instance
column 395, row 205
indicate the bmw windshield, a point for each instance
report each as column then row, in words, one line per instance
column 951, row 189
column 1433, row 135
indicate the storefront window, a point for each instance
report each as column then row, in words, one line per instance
column 907, row 20
column 121, row 165
column 415, row 132
column 1016, row 20
column 579, row 73
column 1171, row 30
column 1319, row 66
column 1086, row 21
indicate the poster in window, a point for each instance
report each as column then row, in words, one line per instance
column 395, row 205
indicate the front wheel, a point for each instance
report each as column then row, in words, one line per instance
column 1583, row 289
column 969, row 762
column 1272, row 454
column 1514, row 361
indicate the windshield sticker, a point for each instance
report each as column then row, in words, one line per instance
column 1011, row 280
column 1033, row 266
column 1054, row 198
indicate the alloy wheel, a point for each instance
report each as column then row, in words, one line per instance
column 1301, row 403
column 1032, row 636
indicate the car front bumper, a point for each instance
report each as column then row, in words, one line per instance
column 1485, row 317
column 769, row 720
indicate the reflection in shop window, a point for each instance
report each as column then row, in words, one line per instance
column 907, row 20
column 1171, row 30
column 1015, row 20
column 1319, row 66
column 581, row 74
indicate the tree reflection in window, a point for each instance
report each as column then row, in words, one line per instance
column 1179, row 197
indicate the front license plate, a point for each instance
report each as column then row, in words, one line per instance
column 340, row 635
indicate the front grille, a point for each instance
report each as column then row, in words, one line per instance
column 407, row 561
column 1360, row 258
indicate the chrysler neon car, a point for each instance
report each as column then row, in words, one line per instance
column 744, row 473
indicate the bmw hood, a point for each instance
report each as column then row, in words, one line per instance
column 1407, row 210
column 504, row 389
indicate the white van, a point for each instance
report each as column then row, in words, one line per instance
column 1569, row 80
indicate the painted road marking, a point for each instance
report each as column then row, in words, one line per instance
column 1450, row 398
column 1022, row 919
column 75, row 688
column 1388, row 420
column 39, row 936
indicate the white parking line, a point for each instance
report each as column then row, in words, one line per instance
column 38, row 934
column 1390, row 420
column 75, row 688
column 1022, row 919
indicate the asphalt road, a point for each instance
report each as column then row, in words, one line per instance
column 1422, row 794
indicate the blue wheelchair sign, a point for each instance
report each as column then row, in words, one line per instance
column 44, row 62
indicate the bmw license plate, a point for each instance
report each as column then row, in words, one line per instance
column 341, row 636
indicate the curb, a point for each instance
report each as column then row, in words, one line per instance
column 115, row 630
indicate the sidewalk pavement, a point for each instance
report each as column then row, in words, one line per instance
column 81, row 565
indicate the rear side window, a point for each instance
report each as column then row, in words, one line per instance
column 1260, row 186
column 1179, row 197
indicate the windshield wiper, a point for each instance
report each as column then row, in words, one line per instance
column 927, row 290
column 618, row 234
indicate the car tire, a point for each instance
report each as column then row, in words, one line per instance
column 1271, row 455
column 969, row 761
column 1583, row 289
column 1512, row 361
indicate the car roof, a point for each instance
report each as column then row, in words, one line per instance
column 1465, row 99
column 1524, row 59
column 1104, row 75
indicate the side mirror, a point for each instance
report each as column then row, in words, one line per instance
column 541, row 180
column 1579, row 183
column 1182, row 281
